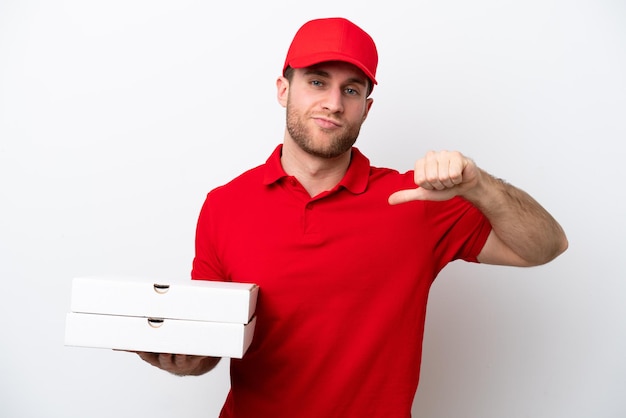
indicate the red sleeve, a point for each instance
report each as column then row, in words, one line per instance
column 461, row 228
column 206, row 262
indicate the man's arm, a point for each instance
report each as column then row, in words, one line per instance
column 180, row 364
column 523, row 234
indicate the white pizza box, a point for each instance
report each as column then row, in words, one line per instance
column 199, row 300
column 158, row 335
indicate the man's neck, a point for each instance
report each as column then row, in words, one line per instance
column 316, row 174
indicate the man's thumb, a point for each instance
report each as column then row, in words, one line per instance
column 420, row 193
column 403, row 196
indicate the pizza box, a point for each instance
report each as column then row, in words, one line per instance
column 158, row 335
column 200, row 300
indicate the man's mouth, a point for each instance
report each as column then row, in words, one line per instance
column 326, row 123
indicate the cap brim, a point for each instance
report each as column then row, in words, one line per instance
column 308, row 61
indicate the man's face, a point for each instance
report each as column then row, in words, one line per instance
column 326, row 106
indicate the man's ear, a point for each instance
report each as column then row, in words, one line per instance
column 282, row 90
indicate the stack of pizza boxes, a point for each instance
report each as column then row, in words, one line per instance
column 193, row 317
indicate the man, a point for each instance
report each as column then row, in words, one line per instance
column 345, row 253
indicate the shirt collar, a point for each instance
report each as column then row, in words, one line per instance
column 355, row 180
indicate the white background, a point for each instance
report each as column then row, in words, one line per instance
column 117, row 117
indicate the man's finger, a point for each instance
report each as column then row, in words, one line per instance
column 151, row 358
column 404, row 196
column 410, row 195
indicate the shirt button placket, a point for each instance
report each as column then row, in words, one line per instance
column 310, row 226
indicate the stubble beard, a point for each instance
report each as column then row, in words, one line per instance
column 339, row 143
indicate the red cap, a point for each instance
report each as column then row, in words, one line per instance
column 333, row 39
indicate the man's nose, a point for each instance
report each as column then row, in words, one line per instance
column 333, row 101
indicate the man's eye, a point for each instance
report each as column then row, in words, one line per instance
column 352, row 92
column 317, row 83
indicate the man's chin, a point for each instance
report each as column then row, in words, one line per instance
column 327, row 153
